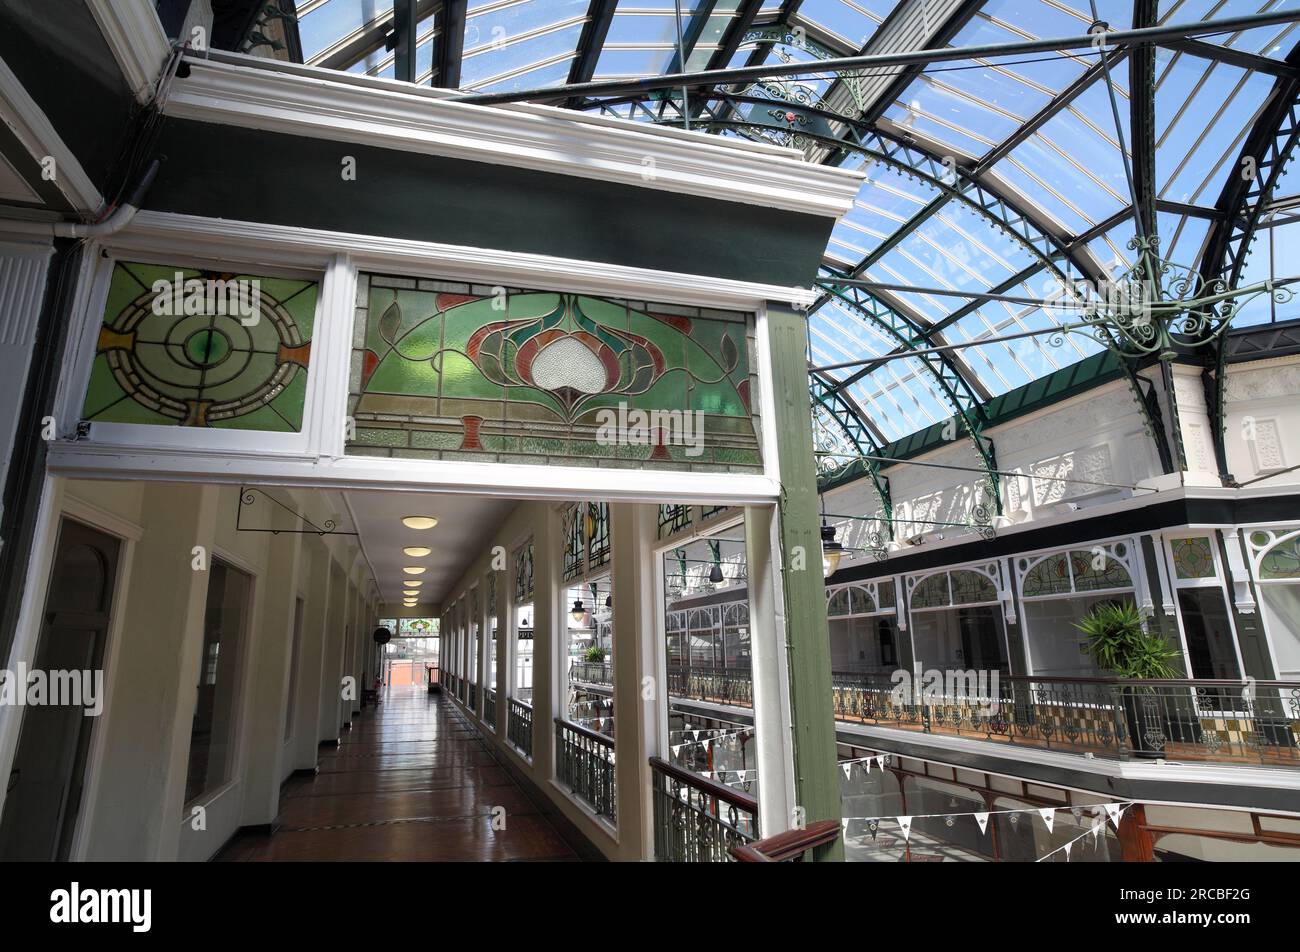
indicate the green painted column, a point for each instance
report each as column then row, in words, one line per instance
column 812, row 718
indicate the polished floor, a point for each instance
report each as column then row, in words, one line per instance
column 411, row 781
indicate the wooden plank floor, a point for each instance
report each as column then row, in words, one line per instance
column 412, row 781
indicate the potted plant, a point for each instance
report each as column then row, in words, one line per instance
column 595, row 655
column 1117, row 641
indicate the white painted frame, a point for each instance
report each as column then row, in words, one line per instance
column 315, row 457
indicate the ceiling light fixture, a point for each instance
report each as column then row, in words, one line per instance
column 417, row 551
column 412, row 582
column 419, row 522
column 413, row 569
column 578, row 612
column 411, row 592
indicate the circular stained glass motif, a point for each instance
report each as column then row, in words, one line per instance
column 238, row 357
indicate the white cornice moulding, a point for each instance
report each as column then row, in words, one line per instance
column 313, row 103
column 287, row 246
column 136, row 37
column 33, row 129
column 502, row 480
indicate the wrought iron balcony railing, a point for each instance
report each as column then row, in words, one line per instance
column 1250, row 722
column 697, row 820
column 1256, row 722
column 708, row 683
column 592, row 672
column 490, row 706
column 584, row 762
column 519, row 726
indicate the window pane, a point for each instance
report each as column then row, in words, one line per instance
column 212, row 734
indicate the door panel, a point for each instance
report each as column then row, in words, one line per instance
column 45, row 784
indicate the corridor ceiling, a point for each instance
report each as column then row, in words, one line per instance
column 999, row 174
column 463, row 523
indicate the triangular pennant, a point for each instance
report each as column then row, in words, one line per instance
column 867, row 764
column 881, row 761
column 1097, row 823
column 848, row 769
column 678, row 749
column 1066, row 847
column 905, row 823
column 1114, row 810
column 1049, row 816
column 983, row 820
column 695, row 734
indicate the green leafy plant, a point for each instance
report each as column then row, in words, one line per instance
column 1118, row 643
column 595, row 654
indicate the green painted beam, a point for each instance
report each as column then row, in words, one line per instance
column 817, row 788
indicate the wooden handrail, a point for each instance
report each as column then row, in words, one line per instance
column 737, row 798
column 584, row 732
column 788, row 846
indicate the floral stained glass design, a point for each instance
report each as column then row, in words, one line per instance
column 180, row 347
column 456, row 371
column 524, row 574
column 1282, row 560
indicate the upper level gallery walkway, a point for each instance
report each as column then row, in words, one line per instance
column 410, row 781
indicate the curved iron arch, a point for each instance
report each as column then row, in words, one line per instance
column 1268, row 149
column 852, row 422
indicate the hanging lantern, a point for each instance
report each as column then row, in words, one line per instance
column 578, row 612
column 832, row 551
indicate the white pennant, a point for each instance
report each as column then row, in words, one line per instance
column 1114, row 810
column 1097, row 824
column 695, row 734
column 678, row 749
column 906, row 823
column 1049, row 816
column 867, row 764
column 881, row 761
column 848, row 769
column 983, row 820
column 1067, row 850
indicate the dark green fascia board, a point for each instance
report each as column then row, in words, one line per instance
column 1156, row 515
column 226, row 171
column 1059, row 385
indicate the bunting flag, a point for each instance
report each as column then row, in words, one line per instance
column 1049, row 816
column 983, row 820
column 867, row 763
column 848, row 769
column 905, row 822
column 1067, row 847
column 1114, row 811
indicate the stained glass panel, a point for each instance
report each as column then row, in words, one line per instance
column 524, row 574
column 1281, row 561
column 839, row 603
column 180, row 347
column 456, row 371
column 862, row 600
column 597, row 531
column 575, row 544
column 1193, row 558
column 1097, row 569
column 1050, row 576
column 970, row 587
column 673, row 519
column 931, row 592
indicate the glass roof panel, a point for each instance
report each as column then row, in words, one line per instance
column 327, row 24
column 1203, row 112
column 1275, row 41
column 853, row 22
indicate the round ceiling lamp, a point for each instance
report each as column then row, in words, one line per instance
column 419, row 522
column 417, row 551
column 413, row 569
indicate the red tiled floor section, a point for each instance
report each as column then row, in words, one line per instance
column 411, row 781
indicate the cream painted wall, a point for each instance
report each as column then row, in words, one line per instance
column 133, row 807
